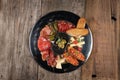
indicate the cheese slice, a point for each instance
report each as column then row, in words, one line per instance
column 59, row 63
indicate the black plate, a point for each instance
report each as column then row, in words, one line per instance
column 57, row 15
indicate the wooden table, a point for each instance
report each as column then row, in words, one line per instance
column 17, row 17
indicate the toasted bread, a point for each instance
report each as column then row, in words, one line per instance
column 81, row 23
column 77, row 32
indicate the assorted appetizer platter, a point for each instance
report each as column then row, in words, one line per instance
column 61, row 41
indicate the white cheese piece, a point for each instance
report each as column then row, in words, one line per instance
column 72, row 45
column 59, row 66
column 81, row 38
column 72, row 39
column 59, row 63
column 80, row 44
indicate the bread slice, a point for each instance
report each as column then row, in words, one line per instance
column 81, row 23
column 77, row 32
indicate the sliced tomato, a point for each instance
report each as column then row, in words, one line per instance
column 75, row 42
column 79, row 49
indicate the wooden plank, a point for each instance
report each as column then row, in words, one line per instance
column 103, row 61
column 76, row 6
column 17, row 17
column 117, row 33
column 115, row 16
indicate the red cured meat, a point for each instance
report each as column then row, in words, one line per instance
column 63, row 26
column 45, row 31
column 43, row 44
column 45, row 55
column 52, row 60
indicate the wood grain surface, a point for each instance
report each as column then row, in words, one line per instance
column 104, row 22
column 17, row 17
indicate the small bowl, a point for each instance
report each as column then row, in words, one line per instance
column 56, row 49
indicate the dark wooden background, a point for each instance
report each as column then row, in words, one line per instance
column 17, row 17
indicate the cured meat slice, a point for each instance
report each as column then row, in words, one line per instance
column 43, row 44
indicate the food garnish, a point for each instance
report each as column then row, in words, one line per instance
column 61, row 43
